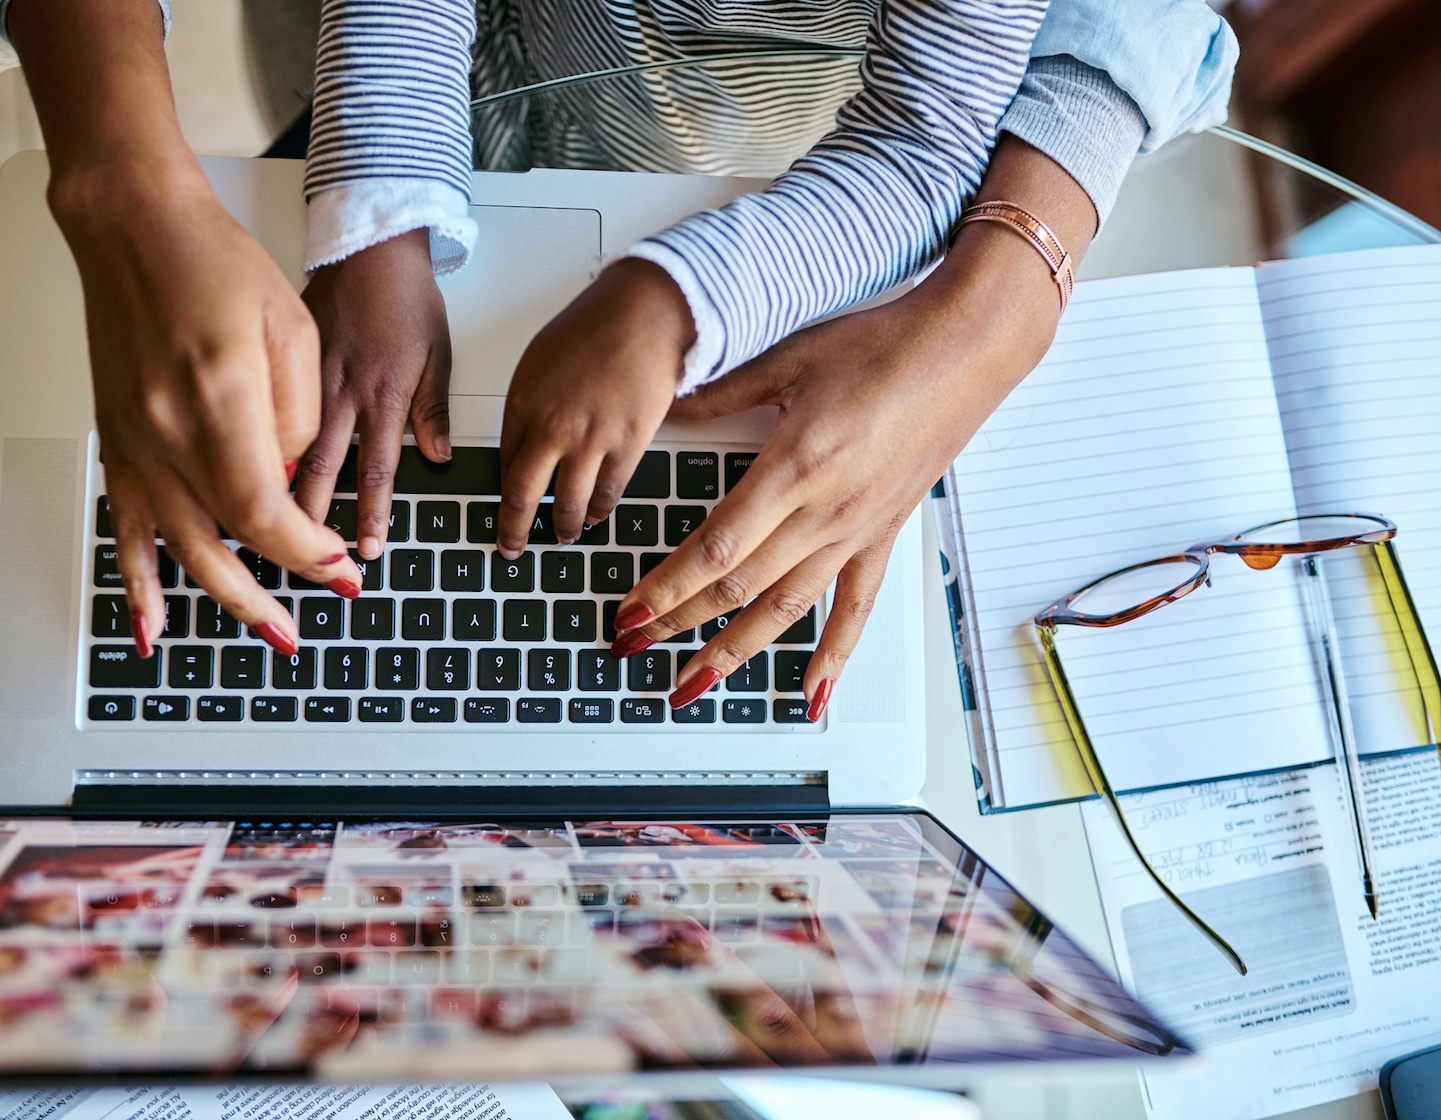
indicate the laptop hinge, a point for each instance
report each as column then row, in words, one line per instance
column 392, row 796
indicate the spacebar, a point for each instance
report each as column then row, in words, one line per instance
column 471, row 470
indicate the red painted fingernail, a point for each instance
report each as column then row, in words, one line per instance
column 277, row 637
column 698, row 685
column 291, row 465
column 345, row 588
column 628, row 645
column 329, row 560
column 140, row 631
column 628, row 618
column 820, row 700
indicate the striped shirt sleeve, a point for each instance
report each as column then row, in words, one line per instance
column 390, row 138
column 873, row 202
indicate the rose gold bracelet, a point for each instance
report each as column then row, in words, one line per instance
column 1034, row 231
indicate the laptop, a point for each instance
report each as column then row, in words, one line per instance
column 453, row 837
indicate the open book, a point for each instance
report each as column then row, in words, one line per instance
column 1182, row 408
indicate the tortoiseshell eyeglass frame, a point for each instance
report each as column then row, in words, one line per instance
column 1371, row 529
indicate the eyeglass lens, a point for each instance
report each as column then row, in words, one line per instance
column 1130, row 589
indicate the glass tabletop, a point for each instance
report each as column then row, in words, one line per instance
column 1217, row 198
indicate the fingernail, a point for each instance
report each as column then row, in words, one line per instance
column 369, row 548
column 628, row 645
column 820, row 700
column 566, row 540
column 508, row 553
column 345, row 588
column 587, row 526
column 698, row 685
column 277, row 637
column 291, row 465
column 442, row 445
column 329, row 560
column 628, row 618
column 140, row 631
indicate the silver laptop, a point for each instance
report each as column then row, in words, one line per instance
column 456, row 677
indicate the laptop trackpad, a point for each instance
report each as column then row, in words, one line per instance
column 529, row 262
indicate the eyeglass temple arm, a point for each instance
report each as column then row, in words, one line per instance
column 1423, row 661
column 1102, row 786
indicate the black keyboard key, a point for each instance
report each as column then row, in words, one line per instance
column 108, row 708
column 347, row 668
column 737, row 463
column 750, row 676
column 322, row 616
column 538, row 709
column 274, row 709
column 372, row 572
column 562, row 573
column 297, row 671
column 412, row 569
column 548, row 670
column 790, row 711
column 166, row 709
column 642, row 711
column 473, row 620
column 512, row 575
column 398, row 529
column 498, row 668
column 214, row 621
column 327, row 709
column 107, row 566
column 637, row 525
column 422, row 620
column 397, row 667
column 652, row 476
column 177, row 617
column 437, row 522
column 102, row 519
column 709, row 630
column 523, row 620
column 683, row 637
column 573, row 620
column 611, row 573
column 542, row 527
column 802, row 631
column 381, row 709
column 682, row 659
column 432, row 709
column 471, row 470
column 607, row 620
column 744, row 711
column 596, row 671
column 122, row 667
column 650, row 561
column 342, row 518
column 447, row 669
column 109, row 617
column 487, row 709
column 220, row 709
column 480, row 522
column 266, row 573
column 594, row 709
column 242, row 667
column 681, row 522
column 791, row 669
column 649, row 671
column 166, row 570
column 462, row 569
column 285, row 601
column 597, row 535
column 697, row 474
column 191, row 666
column 372, row 620
column 697, row 711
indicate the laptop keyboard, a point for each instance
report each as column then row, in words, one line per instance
column 446, row 632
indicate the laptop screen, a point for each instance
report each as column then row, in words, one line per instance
column 411, row 950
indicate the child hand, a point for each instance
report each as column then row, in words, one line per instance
column 385, row 356
column 587, row 397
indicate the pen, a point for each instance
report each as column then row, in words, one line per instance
column 1348, row 765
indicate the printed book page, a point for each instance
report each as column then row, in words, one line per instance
column 1150, row 426
column 1269, row 861
column 1354, row 339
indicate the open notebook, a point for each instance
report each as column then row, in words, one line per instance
column 1180, row 408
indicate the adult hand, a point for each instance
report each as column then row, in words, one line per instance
column 873, row 408
column 587, row 397
column 385, row 356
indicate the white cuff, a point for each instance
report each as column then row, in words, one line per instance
column 705, row 353
column 345, row 220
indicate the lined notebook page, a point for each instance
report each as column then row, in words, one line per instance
column 1150, row 426
column 1355, row 342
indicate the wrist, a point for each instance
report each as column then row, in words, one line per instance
column 91, row 197
column 656, row 301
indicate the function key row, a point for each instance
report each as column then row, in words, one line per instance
column 439, row 709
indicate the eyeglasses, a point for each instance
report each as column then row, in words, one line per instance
column 1134, row 592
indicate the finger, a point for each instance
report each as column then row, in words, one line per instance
column 857, row 586
column 763, row 380
column 293, row 346
column 376, row 460
column 134, row 527
column 574, row 483
column 522, row 485
column 321, row 464
column 430, row 407
column 610, row 483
